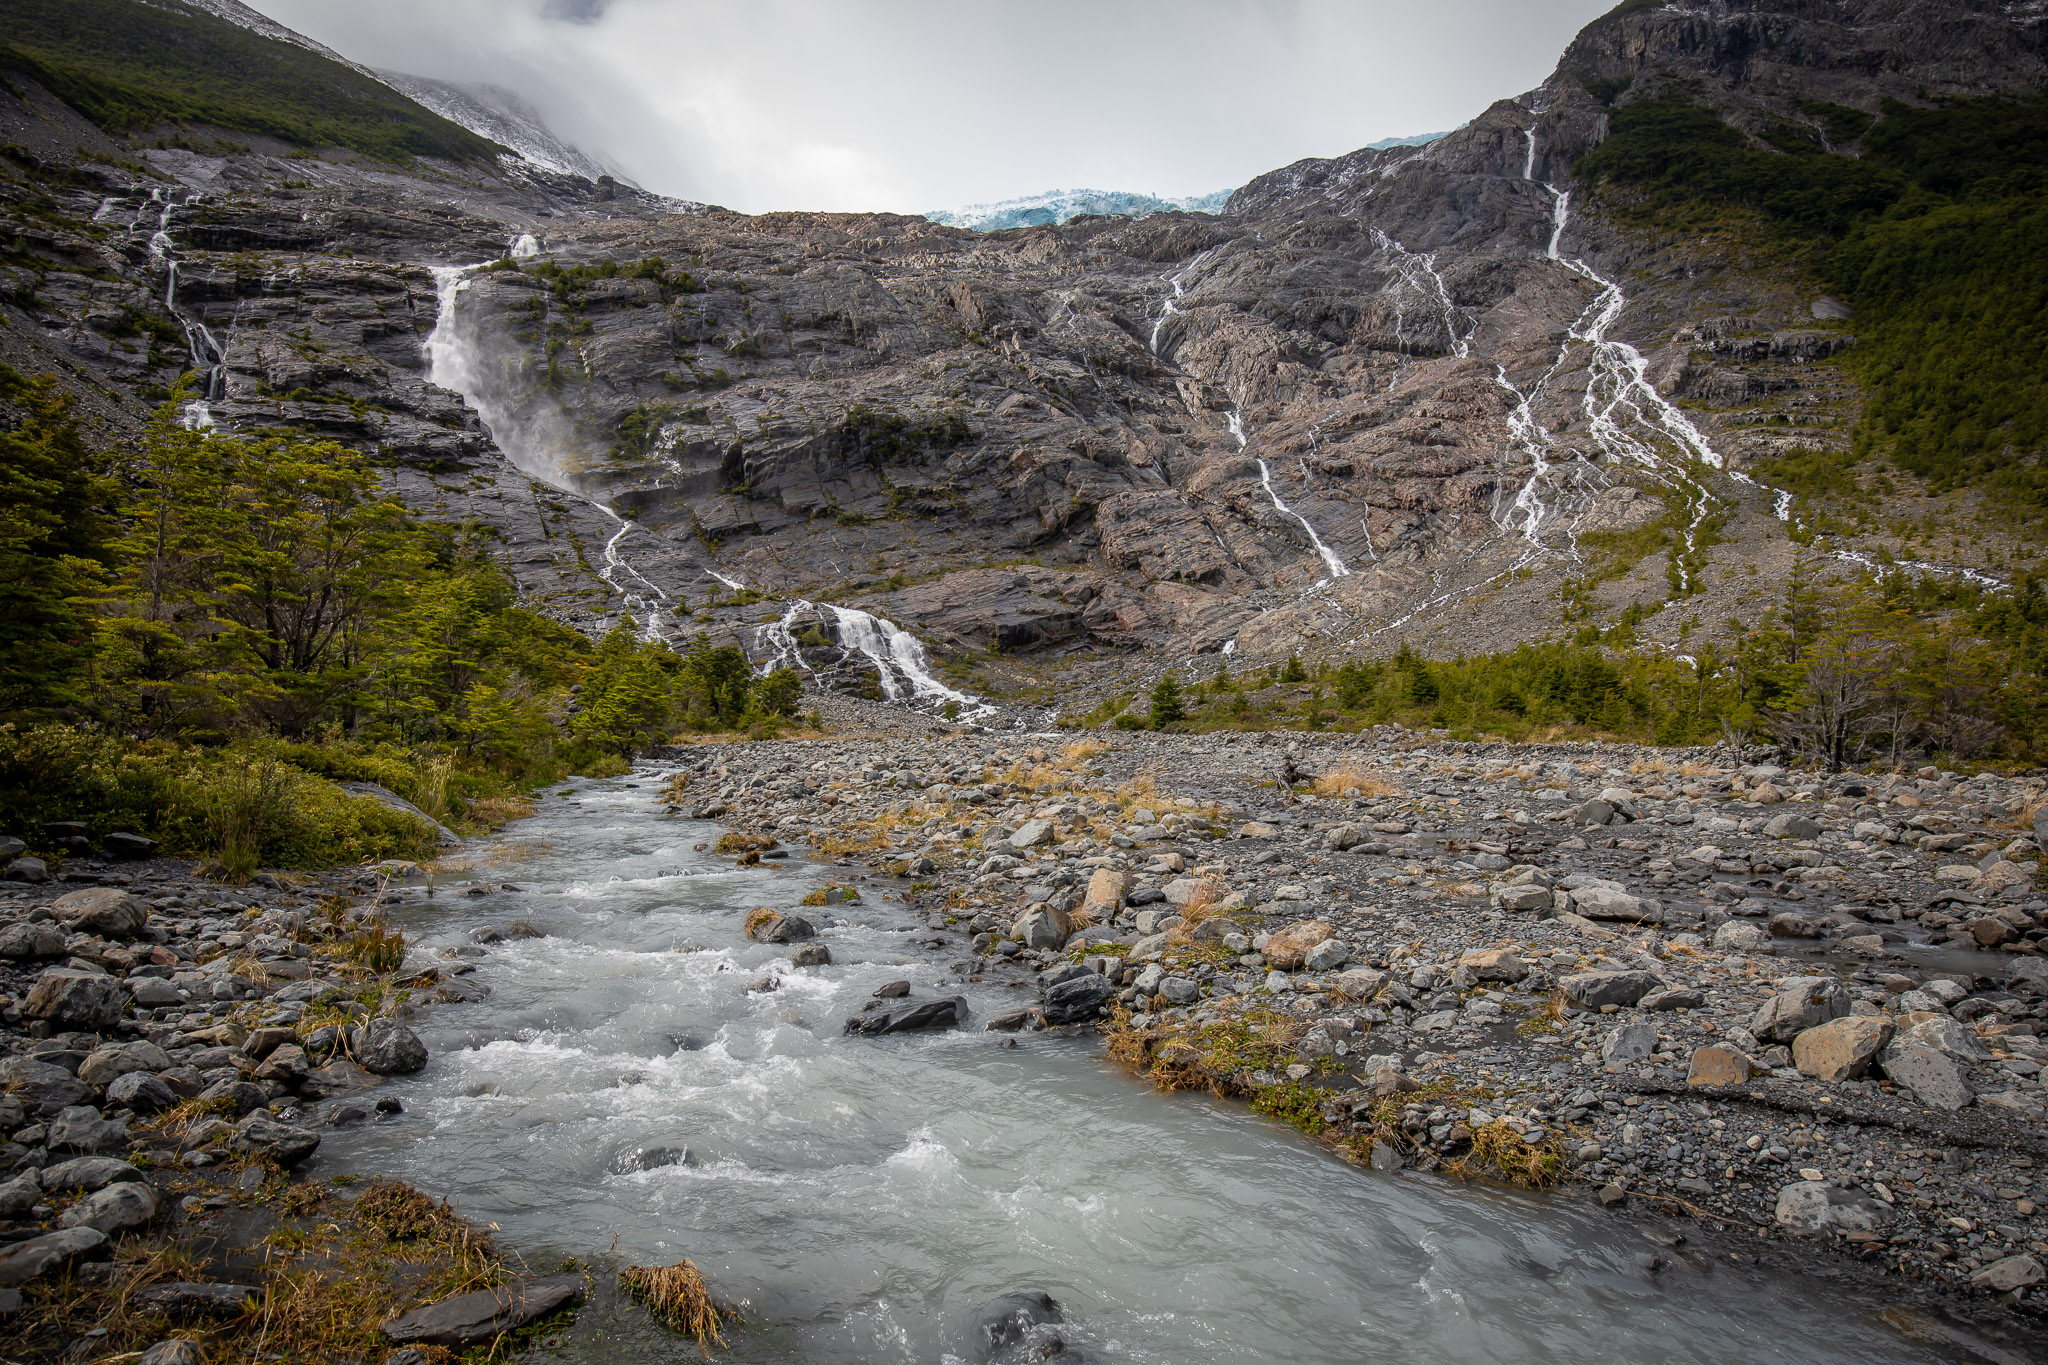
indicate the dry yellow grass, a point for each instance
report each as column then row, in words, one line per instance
column 1344, row 780
column 677, row 1296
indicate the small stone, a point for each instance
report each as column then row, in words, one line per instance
column 1612, row 1194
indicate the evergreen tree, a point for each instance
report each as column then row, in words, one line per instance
column 1168, row 706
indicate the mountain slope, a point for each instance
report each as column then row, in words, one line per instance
column 131, row 67
column 502, row 116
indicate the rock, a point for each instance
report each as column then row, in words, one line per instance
column 1792, row 825
column 25, row 1261
column 80, row 1128
column 240, row 1096
column 950, row 1012
column 24, row 941
column 1814, row 1206
column 1525, row 897
column 338, row 1077
column 33, row 870
column 386, row 1047
column 116, row 1208
column 780, row 929
column 1077, row 1001
column 1802, row 1002
column 2001, row 875
column 183, row 1298
column 1031, row 834
column 1931, row 1077
column 1739, row 936
column 106, row 1064
column 121, row 846
column 75, row 1000
column 1010, row 1021
column 1720, row 1066
column 1628, row 1043
column 470, row 1318
column 103, row 910
column 1008, row 1320
column 1605, row 902
column 276, row 1142
column 41, row 1086
column 285, row 1065
column 1591, row 990
column 1344, row 838
column 180, row 1352
column 1672, row 998
column 1841, row 1048
column 1326, row 956
column 1287, row 949
column 1257, row 829
column 1360, row 983
column 1945, row 1035
column 1041, row 927
column 2013, row 1272
column 811, row 955
column 88, row 1173
column 1494, row 964
column 1106, row 891
column 19, row 1196
column 153, row 992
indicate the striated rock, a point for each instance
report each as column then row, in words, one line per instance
column 484, row 1316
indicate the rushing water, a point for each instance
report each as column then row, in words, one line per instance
column 865, row 1196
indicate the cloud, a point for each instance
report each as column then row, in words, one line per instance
column 911, row 105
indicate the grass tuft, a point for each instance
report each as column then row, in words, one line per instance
column 676, row 1296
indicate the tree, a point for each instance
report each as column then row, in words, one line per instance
column 1294, row 672
column 1168, row 706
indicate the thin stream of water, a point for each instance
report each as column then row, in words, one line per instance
column 628, row 1079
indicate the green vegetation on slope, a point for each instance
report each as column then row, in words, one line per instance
column 202, row 635
column 131, row 67
column 1936, row 229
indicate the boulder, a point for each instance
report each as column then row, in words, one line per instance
column 811, row 955
column 780, row 929
column 1792, row 825
column 79, row 1128
column 386, row 1047
column 1524, row 896
column 25, row 1261
column 1360, row 983
column 1720, row 1066
column 2013, row 1272
column 1494, row 964
column 33, row 870
column 1930, row 1076
column 286, row 1065
column 1814, row 1206
column 1344, row 838
column 1591, row 990
column 121, row 1207
column 42, row 1087
column 104, row 1065
column 1031, row 834
column 1841, row 1048
column 259, row 1135
column 88, row 1173
column 153, row 992
column 71, row 999
column 1673, row 998
column 1628, row 1043
column 125, row 847
column 1005, row 1321
column 239, row 1096
column 19, row 1196
column 1106, row 891
column 1041, row 926
column 1610, row 903
column 950, row 1012
column 1740, row 936
column 1287, row 949
column 24, row 941
column 142, row 1092
column 338, row 1077
column 485, row 1315
column 104, row 910
column 1078, row 1000
column 1326, row 956
column 1802, row 1002
column 1945, row 1035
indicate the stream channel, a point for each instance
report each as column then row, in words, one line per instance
column 622, row 1095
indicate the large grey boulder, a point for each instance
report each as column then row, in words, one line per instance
column 1931, row 1077
column 386, row 1047
column 121, row 1207
column 19, row 1196
column 75, row 1000
column 104, row 1065
column 1591, row 990
column 88, row 1173
column 25, row 1261
column 1802, row 1002
column 142, row 1092
column 104, row 910
column 32, row 870
column 1031, row 834
column 42, row 1087
column 1078, row 999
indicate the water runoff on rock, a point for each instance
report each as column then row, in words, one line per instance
column 898, row 657
column 1332, row 561
column 644, row 1073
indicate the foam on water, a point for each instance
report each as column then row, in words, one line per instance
column 863, row 1196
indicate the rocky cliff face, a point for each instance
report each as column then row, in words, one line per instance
column 1381, row 397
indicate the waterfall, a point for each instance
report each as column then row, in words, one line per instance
column 898, row 657
column 525, row 246
column 1418, row 272
column 1331, row 559
column 1174, row 282
column 208, row 356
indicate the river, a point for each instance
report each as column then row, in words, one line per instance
column 624, row 1093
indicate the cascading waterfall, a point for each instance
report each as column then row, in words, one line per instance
column 1331, row 559
column 1175, row 282
column 525, row 246
column 898, row 657
column 1418, row 272
column 208, row 356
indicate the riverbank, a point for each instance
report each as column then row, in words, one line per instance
column 1801, row 1014
column 975, row 859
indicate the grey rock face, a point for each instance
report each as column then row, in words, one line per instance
column 1801, row 1003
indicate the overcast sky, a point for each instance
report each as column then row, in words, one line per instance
column 914, row 105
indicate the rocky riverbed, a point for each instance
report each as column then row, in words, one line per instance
column 1800, row 1006
column 1792, row 1016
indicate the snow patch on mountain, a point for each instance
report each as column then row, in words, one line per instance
column 505, row 118
column 1057, row 206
